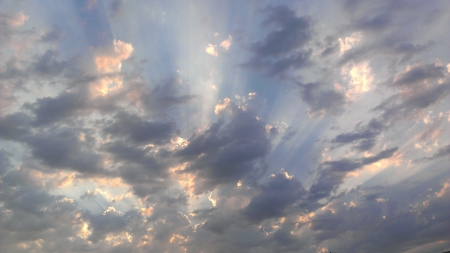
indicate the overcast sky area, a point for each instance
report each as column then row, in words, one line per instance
column 225, row 126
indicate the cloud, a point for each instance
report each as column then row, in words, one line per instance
column 365, row 135
column 320, row 100
column 139, row 131
column 226, row 152
column 441, row 152
column 277, row 195
column 108, row 60
column 105, row 149
column 14, row 126
column 407, row 105
column 104, row 224
column 211, row 49
column 54, row 35
column 161, row 98
column 282, row 49
column 226, row 43
column 415, row 75
column 332, row 173
column 292, row 33
column 62, row 148
column 382, row 216
column 67, row 104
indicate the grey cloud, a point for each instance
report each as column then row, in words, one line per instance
column 29, row 213
column 365, row 135
column 103, row 224
column 291, row 32
column 398, row 108
column 54, row 35
column 5, row 161
column 332, row 46
column 385, row 226
column 276, row 197
column 418, row 74
column 291, row 62
column 9, row 32
column 14, row 126
column 375, row 22
column 227, row 152
column 320, row 100
column 20, row 178
column 282, row 49
column 441, row 152
column 391, row 46
column 432, row 130
column 138, row 130
column 333, row 173
column 49, row 64
column 61, row 148
column 12, row 80
column 161, row 98
column 52, row 109
column 143, row 169
column 383, row 26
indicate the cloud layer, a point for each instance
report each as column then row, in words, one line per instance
column 224, row 126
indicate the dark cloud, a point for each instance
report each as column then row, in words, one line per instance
column 143, row 168
column 67, row 131
column 392, row 226
column 282, row 49
column 52, row 109
column 63, row 148
column 291, row 32
column 417, row 74
column 277, row 195
column 320, row 99
column 14, row 126
column 364, row 135
column 49, row 64
column 404, row 106
column 104, row 224
column 29, row 213
column 333, row 173
column 441, row 152
column 331, row 46
column 227, row 152
column 375, row 22
column 161, row 98
column 139, row 131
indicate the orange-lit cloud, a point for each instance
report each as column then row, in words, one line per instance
column 109, row 65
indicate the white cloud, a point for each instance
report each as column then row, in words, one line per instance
column 226, row 43
column 211, row 49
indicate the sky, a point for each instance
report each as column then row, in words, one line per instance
column 224, row 126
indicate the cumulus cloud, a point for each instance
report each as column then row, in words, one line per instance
column 227, row 151
column 283, row 48
column 277, row 195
